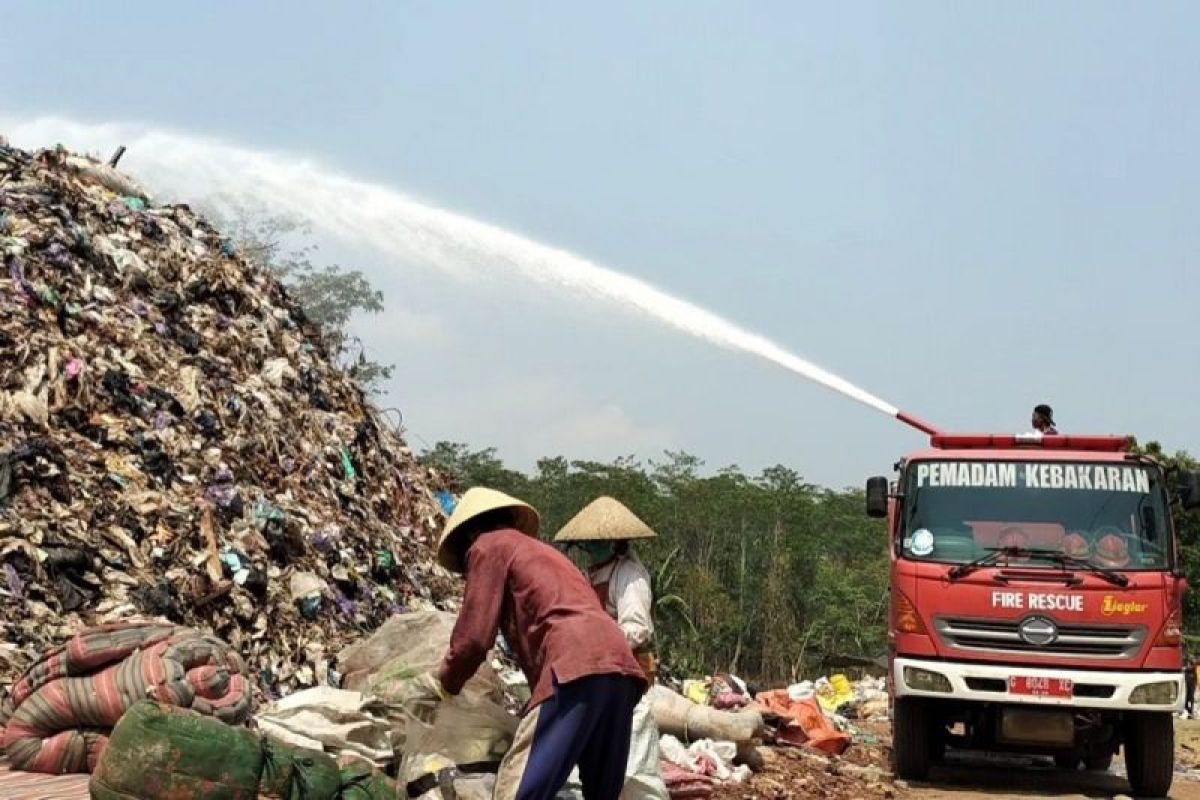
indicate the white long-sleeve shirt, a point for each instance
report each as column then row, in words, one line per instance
column 629, row 600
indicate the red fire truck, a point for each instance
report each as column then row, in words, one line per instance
column 1036, row 601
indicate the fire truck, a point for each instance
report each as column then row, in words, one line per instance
column 1036, row 602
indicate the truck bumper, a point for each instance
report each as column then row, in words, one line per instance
column 987, row 683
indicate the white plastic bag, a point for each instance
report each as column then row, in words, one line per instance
column 804, row 690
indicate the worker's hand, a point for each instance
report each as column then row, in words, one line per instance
column 427, row 688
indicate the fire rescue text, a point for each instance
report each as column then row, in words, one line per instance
column 1038, row 601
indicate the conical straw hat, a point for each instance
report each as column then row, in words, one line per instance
column 604, row 519
column 480, row 501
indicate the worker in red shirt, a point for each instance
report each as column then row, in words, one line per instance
column 583, row 677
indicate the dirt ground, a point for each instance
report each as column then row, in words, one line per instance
column 864, row 772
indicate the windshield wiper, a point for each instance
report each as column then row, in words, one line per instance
column 1064, row 560
column 1058, row 557
column 987, row 559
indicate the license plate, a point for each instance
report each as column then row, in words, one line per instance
column 1041, row 687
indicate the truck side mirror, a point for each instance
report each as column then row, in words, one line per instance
column 877, row 497
column 1189, row 490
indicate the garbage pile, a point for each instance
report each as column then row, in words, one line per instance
column 712, row 759
column 701, row 746
column 726, row 692
column 820, row 714
column 176, row 442
column 865, row 699
column 827, row 737
column 714, row 726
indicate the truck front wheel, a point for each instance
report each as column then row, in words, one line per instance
column 1150, row 752
column 912, row 738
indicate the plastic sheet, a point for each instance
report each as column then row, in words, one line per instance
column 806, row 724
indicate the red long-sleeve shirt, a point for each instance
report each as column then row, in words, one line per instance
column 550, row 616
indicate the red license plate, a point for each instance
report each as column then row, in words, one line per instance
column 1041, row 687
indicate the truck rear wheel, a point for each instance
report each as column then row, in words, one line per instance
column 1098, row 761
column 912, row 738
column 1067, row 761
column 1150, row 752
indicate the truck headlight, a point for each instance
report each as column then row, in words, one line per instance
column 1162, row 693
column 925, row 680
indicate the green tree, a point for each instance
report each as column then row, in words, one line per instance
column 329, row 294
column 466, row 467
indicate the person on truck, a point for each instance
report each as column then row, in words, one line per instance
column 1043, row 420
column 604, row 530
column 583, row 678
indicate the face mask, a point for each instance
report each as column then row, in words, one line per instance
column 596, row 551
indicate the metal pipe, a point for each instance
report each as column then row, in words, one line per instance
column 919, row 424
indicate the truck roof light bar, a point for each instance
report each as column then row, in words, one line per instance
column 972, row 441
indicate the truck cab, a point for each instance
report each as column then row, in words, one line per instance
column 1036, row 602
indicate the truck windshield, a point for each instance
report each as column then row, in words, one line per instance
column 1110, row 515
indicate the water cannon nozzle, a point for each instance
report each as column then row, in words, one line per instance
column 919, row 424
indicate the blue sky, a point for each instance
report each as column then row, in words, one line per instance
column 965, row 208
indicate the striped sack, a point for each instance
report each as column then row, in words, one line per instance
column 57, row 716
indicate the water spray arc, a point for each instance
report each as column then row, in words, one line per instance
column 396, row 225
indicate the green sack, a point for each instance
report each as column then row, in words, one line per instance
column 361, row 781
column 293, row 773
column 158, row 752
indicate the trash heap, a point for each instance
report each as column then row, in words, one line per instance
column 864, row 699
column 177, row 442
column 829, row 737
column 724, row 738
column 726, row 692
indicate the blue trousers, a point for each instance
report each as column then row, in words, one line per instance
column 586, row 723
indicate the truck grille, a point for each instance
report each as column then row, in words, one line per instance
column 1085, row 641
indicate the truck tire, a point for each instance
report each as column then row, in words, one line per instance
column 912, row 738
column 1098, row 762
column 1067, row 761
column 1150, row 752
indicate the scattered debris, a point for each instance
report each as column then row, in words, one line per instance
column 861, row 772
